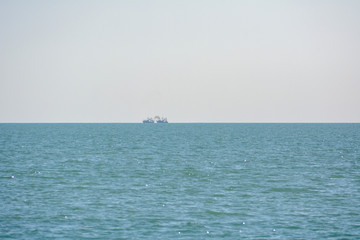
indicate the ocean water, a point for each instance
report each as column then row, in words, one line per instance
column 180, row 181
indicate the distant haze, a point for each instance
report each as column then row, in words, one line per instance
column 188, row 60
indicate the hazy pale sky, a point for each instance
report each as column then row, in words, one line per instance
column 192, row 61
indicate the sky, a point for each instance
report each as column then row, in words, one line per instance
column 188, row 60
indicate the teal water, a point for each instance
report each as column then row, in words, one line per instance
column 179, row 181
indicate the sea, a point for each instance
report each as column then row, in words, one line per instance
column 180, row 181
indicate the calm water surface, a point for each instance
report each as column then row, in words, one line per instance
column 179, row 181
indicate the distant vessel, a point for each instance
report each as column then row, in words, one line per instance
column 148, row 120
column 156, row 119
column 160, row 119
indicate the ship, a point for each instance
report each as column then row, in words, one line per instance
column 160, row 119
column 156, row 119
column 148, row 120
